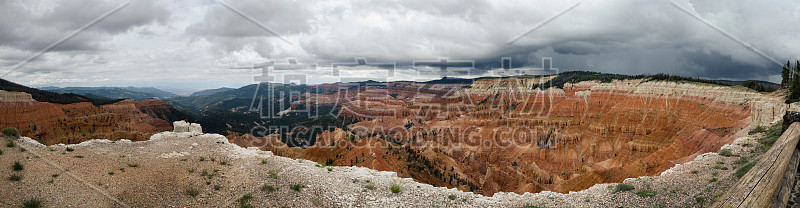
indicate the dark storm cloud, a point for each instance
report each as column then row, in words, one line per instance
column 614, row 36
column 28, row 28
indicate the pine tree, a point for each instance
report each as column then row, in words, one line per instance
column 794, row 90
column 785, row 75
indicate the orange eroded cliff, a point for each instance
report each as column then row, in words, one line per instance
column 507, row 135
column 51, row 123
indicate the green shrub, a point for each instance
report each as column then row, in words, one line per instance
column 370, row 187
column 529, row 206
column 69, row 149
column 133, row 165
column 17, row 166
column 623, row 187
column 758, row 129
column 14, row 177
column 244, row 201
column 741, row 160
column 770, row 136
column 713, row 180
column 452, row 197
column 110, row 173
column 646, row 193
column 273, row 174
column 268, row 188
column 217, row 187
column 10, row 144
column 191, row 191
column 263, row 161
column 330, row 169
column 726, row 153
column 744, row 169
column 32, row 203
column 298, row 187
column 395, row 188
column 700, row 200
column 11, row 132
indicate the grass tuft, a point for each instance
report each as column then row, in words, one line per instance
column 33, row 203
column 370, row 187
column 744, row 169
column 273, row 174
column 244, row 201
column 395, row 188
column 268, row 188
column 646, row 193
column 298, row 187
column 17, row 166
column 191, row 191
column 727, row 153
column 15, row 177
column 623, row 187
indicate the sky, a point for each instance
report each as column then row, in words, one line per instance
column 190, row 45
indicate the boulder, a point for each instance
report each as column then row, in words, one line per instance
column 180, row 126
column 195, row 128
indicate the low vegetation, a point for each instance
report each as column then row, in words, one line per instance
column 700, row 200
column 395, row 188
column 646, row 193
column 268, row 188
column 244, row 201
column 623, row 187
column 727, row 153
column 192, row 191
column 17, row 166
column 298, row 187
column 33, row 203
column 770, row 136
column 744, row 168
column 273, row 174
column 11, row 133
column 370, row 187
column 15, row 177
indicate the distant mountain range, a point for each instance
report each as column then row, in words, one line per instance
column 136, row 93
column 52, row 97
column 211, row 91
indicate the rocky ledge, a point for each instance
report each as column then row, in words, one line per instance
column 186, row 168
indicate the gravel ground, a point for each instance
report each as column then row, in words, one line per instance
column 163, row 171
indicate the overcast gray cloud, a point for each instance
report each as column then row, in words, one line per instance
column 202, row 40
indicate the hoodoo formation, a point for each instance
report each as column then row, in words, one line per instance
column 511, row 135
